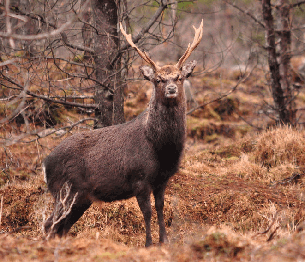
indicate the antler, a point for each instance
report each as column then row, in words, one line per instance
column 143, row 54
column 191, row 48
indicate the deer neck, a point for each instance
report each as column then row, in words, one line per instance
column 166, row 123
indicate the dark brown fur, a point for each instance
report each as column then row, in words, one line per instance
column 122, row 161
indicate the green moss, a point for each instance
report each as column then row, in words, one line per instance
column 78, row 58
column 243, row 129
column 214, row 114
column 211, row 138
column 259, row 38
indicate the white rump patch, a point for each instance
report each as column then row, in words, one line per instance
column 44, row 173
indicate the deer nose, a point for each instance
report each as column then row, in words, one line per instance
column 171, row 91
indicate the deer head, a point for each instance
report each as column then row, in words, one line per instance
column 169, row 78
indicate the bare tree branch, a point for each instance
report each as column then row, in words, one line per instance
column 8, row 62
column 233, row 89
column 65, row 39
column 46, row 98
column 63, row 206
column 297, row 4
column 9, row 34
column 144, row 30
column 39, row 36
column 74, row 46
column 42, row 133
column 246, row 13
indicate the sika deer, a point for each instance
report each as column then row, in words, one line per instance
column 127, row 160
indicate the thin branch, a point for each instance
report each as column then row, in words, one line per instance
column 63, row 207
column 55, row 32
column 246, row 13
column 74, row 46
column 69, row 127
column 47, row 98
column 73, row 97
column 40, row 19
column 39, row 36
column 87, row 106
column 289, row 180
column 18, row 110
column 270, row 226
column 44, row 133
column 140, row 35
column 233, row 89
column 250, row 124
column 8, row 62
column 7, row 98
column 297, row 4
column 273, row 234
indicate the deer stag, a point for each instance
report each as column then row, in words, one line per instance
column 126, row 160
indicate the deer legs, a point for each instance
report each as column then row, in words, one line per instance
column 145, row 206
column 159, row 204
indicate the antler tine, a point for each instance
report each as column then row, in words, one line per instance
column 191, row 48
column 144, row 55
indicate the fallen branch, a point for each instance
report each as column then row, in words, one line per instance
column 63, row 207
column 292, row 180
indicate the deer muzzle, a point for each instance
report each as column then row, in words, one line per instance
column 171, row 91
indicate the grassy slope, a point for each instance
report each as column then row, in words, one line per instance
column 230, row 200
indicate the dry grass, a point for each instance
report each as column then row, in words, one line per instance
column 280, row 146
column 216, row 206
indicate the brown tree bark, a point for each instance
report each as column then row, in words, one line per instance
column 285, row 57
column 275, row 76
column 108, row 96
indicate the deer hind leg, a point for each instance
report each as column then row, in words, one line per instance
column 159, row 204
column 68, row 208
column 145, row 206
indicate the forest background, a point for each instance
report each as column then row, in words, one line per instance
column 65, row 68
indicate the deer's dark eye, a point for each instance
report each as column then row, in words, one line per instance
column 178, row 78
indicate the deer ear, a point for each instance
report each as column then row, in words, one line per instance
column 148, row 72
column 187, row 69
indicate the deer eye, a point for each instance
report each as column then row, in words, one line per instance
column 160, row 80
column 178, row 78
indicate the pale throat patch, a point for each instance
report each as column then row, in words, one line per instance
column 44, row 173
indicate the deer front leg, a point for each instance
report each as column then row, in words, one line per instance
column 159, row 203
column 145, row 206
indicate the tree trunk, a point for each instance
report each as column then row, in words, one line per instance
column 108, row 95
column 87, row 33
column 285, row 56
column 277, row 91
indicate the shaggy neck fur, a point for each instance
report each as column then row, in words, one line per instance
column 166, row 123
